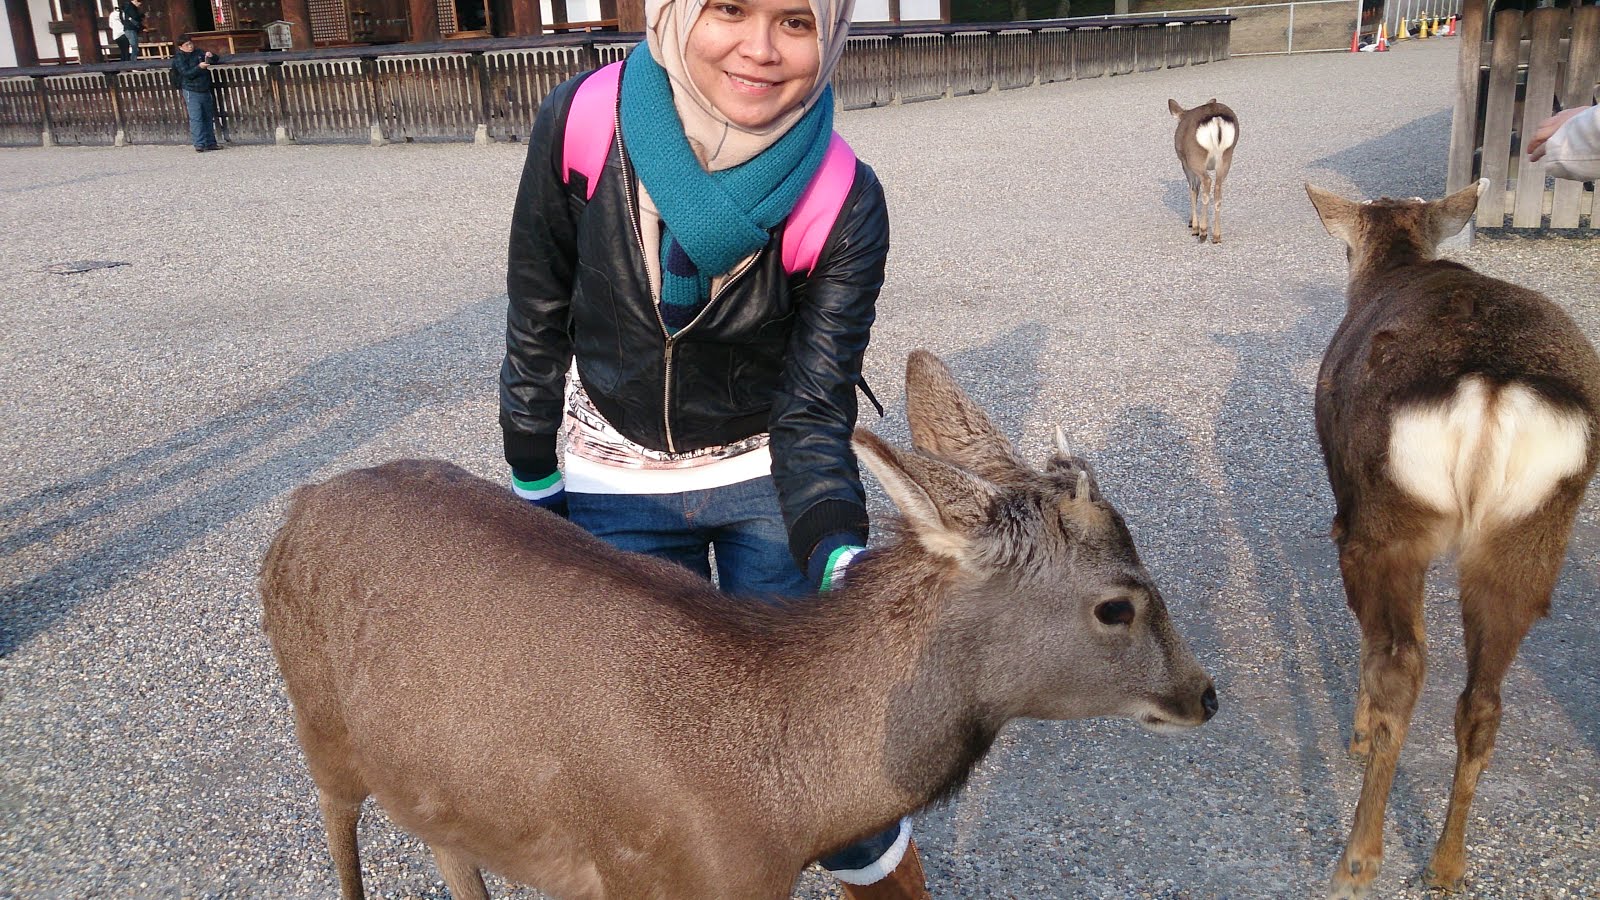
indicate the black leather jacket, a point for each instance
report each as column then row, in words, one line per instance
column 770, row 353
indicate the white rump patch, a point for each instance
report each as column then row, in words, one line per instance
column 1214, row 136
column 1485, row 458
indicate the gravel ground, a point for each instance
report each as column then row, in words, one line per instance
column 287, row 313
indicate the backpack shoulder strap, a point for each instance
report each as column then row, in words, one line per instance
column 818, row 208
column 591, row 126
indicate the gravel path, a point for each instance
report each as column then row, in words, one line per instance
column 287, row 313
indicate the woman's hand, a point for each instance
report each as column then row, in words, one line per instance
column 1547, row 128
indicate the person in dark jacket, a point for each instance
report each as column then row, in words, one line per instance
column 194, row 73
column 132, row 14
column 711, row 395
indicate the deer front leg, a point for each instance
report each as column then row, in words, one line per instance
column 1384, row 586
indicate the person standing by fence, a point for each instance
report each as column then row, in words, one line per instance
column 193, row 75
column 131, row 12
column 715, row 391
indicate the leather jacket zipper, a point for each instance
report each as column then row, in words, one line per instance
column 655, row 302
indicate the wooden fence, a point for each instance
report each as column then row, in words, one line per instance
column 1509, row 78
column 491, row 89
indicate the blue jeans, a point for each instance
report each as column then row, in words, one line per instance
column 202, row 112
column 744, row 524
column 741, row 522
column 133, row 44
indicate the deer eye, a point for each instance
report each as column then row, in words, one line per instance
column 1114, row 612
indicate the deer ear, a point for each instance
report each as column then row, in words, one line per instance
column 1338, row 214
column 1174, row 108
column 946, row 422
column 941, row 503
column 1451, row 214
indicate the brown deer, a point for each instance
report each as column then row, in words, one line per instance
column 528, row 700
column 1205, row 140
column 1456, row 412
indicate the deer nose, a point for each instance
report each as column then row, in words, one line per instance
column 1209, row 701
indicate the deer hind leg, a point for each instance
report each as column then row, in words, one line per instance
column 461, row 874
column 1216, row 199
column 1384, row 584
column 1506, row 582
column 340, row 815
column 1205, row 196
column 1194, row 201
column 340, row 788
column 1361, row 726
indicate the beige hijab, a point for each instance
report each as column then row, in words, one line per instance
column 718, row 143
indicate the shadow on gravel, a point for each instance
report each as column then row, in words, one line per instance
column 1407, row 162
column 148, row 504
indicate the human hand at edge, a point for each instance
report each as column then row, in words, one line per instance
column 1547, row 129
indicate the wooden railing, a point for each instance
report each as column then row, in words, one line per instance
column 1509, row 78
column 490, row 89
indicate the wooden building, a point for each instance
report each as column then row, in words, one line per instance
column 70, row 31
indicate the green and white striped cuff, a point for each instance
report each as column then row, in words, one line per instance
column 547, row 486
column 838, row 561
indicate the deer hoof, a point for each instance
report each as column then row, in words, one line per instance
column 1442, row 882
column 1216, row 239
column 1353, row 879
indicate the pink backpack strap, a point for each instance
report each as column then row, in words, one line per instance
column 818, row 208
column 591, row 126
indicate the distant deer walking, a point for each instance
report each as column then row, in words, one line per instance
column 529, row 700
column 1205, row 140
column 1457, row 412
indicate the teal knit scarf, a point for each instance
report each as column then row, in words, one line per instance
column 713, row 219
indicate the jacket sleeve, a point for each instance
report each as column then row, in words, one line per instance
column 539, row 277
column 1574, row 150
column 818, row 482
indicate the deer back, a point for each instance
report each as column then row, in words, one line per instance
column 1474, row 397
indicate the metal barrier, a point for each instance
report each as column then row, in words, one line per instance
column 491, row 89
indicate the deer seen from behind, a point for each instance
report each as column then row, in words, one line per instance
column 526, row 699
column 1456, row 413
column 1205, row 140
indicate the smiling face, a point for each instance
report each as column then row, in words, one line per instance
column 754, row 60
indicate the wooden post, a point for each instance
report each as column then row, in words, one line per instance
column 524, row 18
column 630, row 15
column 86, row 29
column 559, row 14
column 894, row 11
column 298, row 14
column 180, row 19
column 424, row 21
column 1464, row 121
column 1547, row 26
column 22, row 32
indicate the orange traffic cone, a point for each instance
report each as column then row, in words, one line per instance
column 1383, row 37
column 1355, row 39
column 1450, row 27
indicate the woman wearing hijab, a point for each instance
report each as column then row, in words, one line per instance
column 713, row 393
